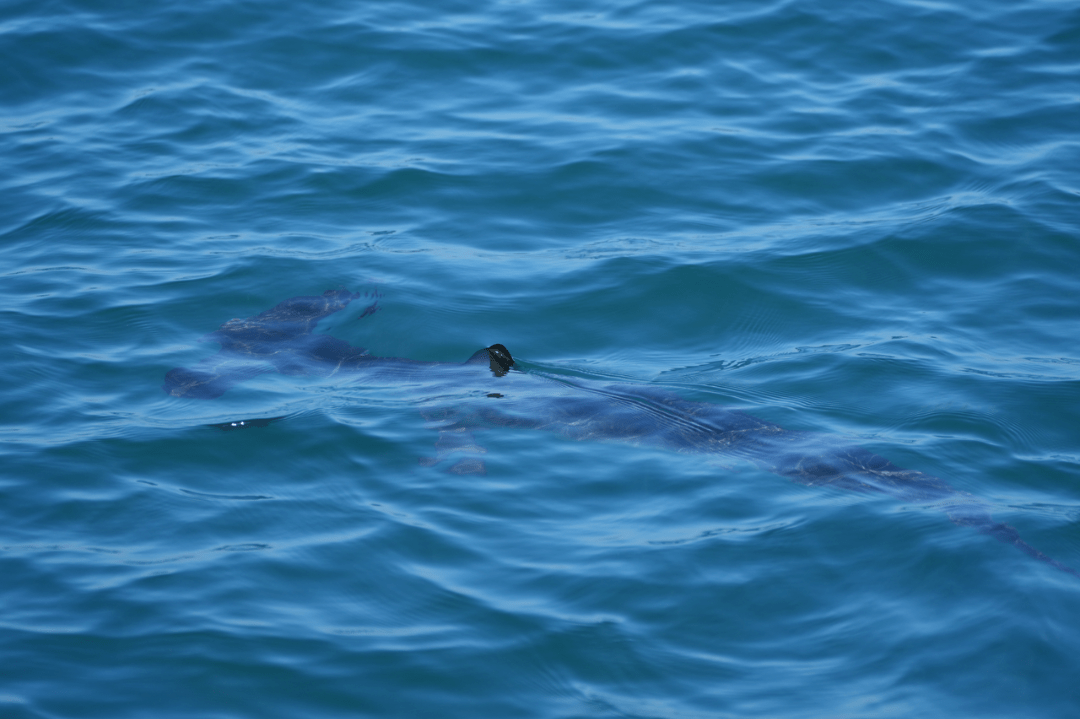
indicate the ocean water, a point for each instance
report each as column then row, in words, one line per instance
column 856, row 219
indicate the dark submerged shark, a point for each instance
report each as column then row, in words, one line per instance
column 281, row 340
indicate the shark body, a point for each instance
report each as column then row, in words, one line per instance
column 281, row 340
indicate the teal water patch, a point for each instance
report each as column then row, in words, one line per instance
column 852, row 221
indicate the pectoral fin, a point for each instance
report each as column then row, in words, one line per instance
column 454, row 442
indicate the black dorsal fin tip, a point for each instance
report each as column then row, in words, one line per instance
column 502, row 353
column 501, row 361
column 497, row 357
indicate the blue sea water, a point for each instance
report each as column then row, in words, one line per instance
column 858, row 219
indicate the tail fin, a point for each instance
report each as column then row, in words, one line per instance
column 978, row 518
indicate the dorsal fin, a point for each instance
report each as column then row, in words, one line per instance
column 497, row 357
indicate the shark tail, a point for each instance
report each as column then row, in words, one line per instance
column 983, row 522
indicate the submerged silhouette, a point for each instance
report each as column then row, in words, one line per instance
column 281, row 340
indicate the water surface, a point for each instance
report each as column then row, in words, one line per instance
column 854, row 220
